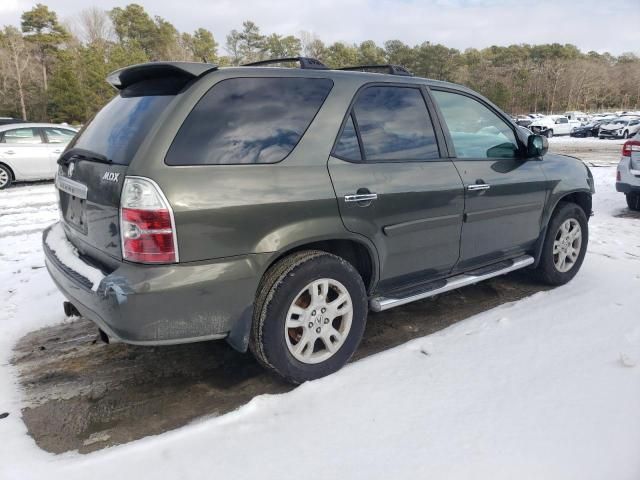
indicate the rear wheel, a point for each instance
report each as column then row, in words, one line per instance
column 309, row 316
column 5, row 177
column 565, row 245
column 633, row 201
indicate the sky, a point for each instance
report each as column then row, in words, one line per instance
column 454, row 23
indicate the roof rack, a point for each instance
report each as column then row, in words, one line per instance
column 389, row 69
column 305, row 63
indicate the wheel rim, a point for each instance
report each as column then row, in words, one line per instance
column 567, row 245
column 318, row 321
column 4, row 177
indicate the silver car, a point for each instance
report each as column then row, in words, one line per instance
column 29, row 151
column 628, row 175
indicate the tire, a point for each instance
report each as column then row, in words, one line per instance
column 6, row 178
column 633, row 201
column 284, row 293
column 548, row 270
column 549, row 133
column 625, row 134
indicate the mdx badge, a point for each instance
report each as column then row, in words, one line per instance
column 110, row 176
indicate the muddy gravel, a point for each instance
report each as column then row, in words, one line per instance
column 80, row 394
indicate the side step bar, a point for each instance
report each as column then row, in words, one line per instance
column 380, row 304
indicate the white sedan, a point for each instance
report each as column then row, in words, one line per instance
column 29, row 151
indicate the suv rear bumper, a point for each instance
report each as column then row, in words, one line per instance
column 626, row 188
column 164, row 304
column 628, row 178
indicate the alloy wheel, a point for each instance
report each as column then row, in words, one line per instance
column 567, row 245
column 318, row 321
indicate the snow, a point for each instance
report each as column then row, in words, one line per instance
column 67, row 254
column 567, row 140
column 543, row 388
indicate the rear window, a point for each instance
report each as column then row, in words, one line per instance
column 248, row 121
column 118, row 130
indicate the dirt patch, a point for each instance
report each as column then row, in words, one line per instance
column 81, row 394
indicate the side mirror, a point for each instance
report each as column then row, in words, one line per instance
column 537, row 146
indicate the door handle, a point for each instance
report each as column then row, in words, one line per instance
column 361, row 197
column 9, row 152
column 57, row 151
column 478, row 186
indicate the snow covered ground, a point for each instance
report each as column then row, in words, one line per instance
column 544, row 388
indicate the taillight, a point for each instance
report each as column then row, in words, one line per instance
column 630, row 146
column 147, row 227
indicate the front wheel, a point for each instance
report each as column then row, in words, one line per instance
column 549, row 133
column 309, row 316
column 633, row 201
column 565, row 245
column 625, row 134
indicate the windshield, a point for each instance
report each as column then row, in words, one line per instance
column 118, row 130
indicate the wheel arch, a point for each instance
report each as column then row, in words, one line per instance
column 581, row 197
column 358, row 252
column 8, row 167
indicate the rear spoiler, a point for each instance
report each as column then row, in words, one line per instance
column 127, row 76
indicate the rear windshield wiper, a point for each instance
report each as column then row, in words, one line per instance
column 82, row 154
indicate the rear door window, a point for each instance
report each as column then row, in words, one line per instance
column 248, row 121
column 24, row 136
column 394, row 124
column 348, row 147
column 59, row 135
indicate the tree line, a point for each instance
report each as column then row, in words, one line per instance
column 55, row 71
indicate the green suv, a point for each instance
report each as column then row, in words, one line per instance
column 274, row 207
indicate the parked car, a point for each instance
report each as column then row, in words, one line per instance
column 523, row 120
column 553, row 125
column 622, row 127
column 9, row 120
column 591, row 129
column 198, row 205
column 577, row 115
column 29, row 151
column 628, row 174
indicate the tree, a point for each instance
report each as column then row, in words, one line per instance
column 247, row 45
column 341, row 55
column 41, row 27
column 135, row 28
column 233, row 47
column 370, row 54
column 202, row 45
column 19, row 56
column 277, row 46
column 67, row 99
column 252, row 46
column 95, row 26
column 312, row 46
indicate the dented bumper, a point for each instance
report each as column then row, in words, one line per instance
column 163, row 304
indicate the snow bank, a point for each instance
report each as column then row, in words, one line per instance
column 57, row 241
